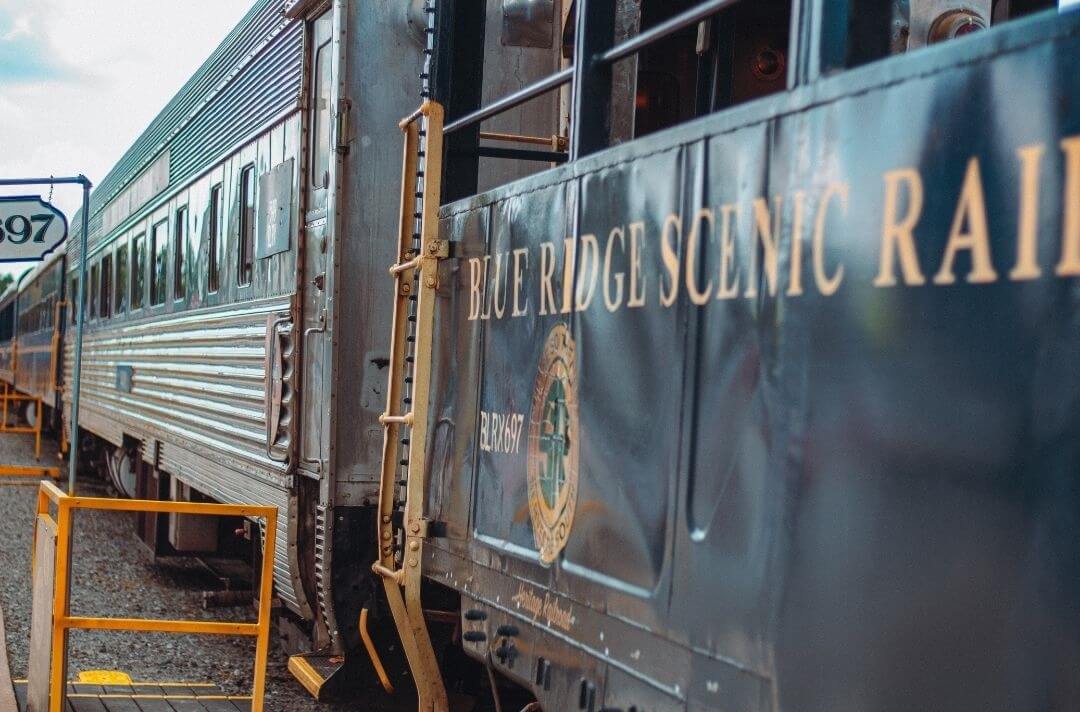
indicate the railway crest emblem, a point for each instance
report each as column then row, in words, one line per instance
column 553, row 446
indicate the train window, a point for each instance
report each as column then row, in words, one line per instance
column 655, row 64
column 871, row 29
column 121, row 295
column 73, row 307
column 247, row 225
column 214, row 256
column 7, row 322
column 180, row 236
column 138, row 270
column 93, row 291
column 105, row 298
column 320, row 139
column 159, row 262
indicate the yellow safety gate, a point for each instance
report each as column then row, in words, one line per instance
column 52, row 619
column 10, row 395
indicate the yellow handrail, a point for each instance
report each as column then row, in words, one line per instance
column 50, row 495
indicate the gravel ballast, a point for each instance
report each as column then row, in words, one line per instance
column 115, row 576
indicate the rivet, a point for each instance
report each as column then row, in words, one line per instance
column 386, row 536
column 412, row 562
column 386, row 519
column 431, row 281
column 414, row 546
column 406, row 288
column 433, row 247
column 415, row 528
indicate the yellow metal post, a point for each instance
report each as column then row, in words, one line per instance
column 62, row 621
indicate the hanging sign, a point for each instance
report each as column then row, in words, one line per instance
column 30, row 228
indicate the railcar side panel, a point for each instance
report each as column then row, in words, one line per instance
column 774, row 410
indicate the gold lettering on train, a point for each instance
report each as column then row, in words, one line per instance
column 827, row 285
column 1069, row 266
column 1027, row 249
column 670, row 254
column 637, row 277
column 898, row 233
column 970, row 211
column 703, row 255
column 766, row 232
column 613, row 303
column 728, row 271
column 547, row 273
column 698, row 296
column 569, row 265
column 590, row 265
column 521, row 263
column 795, row 275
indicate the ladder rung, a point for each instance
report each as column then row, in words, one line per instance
column 405, row 266
column 386, row 419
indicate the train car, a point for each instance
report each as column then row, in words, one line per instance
column 39, row 338
column 7, row 336
column 233, row 350
column 761, row 393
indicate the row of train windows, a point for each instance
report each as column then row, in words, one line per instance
column 141, row 267
column 40, row 316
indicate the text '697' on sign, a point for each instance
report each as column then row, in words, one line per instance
column 30, row 228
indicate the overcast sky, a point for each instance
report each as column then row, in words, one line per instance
column 81, row 79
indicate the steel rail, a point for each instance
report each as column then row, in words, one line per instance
column 663, row 30
column 509, row 102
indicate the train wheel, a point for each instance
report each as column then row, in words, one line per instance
column 122, row 472
column 30, row 413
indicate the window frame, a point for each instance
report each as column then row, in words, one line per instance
column 105, row 286
column 245, row 245
column 93, row 292
column 214, row 244
column 121, row 287
column 153, row 263
column 181, row 227
column 137, row 272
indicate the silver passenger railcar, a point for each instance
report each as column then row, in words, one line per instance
column 228, row 249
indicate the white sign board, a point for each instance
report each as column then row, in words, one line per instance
column 30, row 228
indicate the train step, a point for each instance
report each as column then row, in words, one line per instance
column 325, row 677
column 116, row 692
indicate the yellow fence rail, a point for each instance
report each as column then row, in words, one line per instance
column 9, row 395
column 52, row 619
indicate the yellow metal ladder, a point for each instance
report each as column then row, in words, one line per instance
column 416, row 278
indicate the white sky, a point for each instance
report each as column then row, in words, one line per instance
column 81, row 79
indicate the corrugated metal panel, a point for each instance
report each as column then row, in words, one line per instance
column 253, row 76
column 197, row 387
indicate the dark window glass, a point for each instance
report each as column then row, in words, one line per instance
column 93, row 291
column 7, row 322
column 179, row 246
column 159, row 265
column 213, row 281
column 320, row 147
column 247, row 225
column 121, row 298
column 138, row 270
column 73, row 306
column 106, row 288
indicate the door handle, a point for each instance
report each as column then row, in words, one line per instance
column 275, row 382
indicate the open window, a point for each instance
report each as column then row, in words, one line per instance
column 860, row 31
column 652, row 64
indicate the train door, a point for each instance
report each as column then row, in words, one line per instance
column 320, row 179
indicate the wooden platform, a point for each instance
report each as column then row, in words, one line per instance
column 145, row 697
